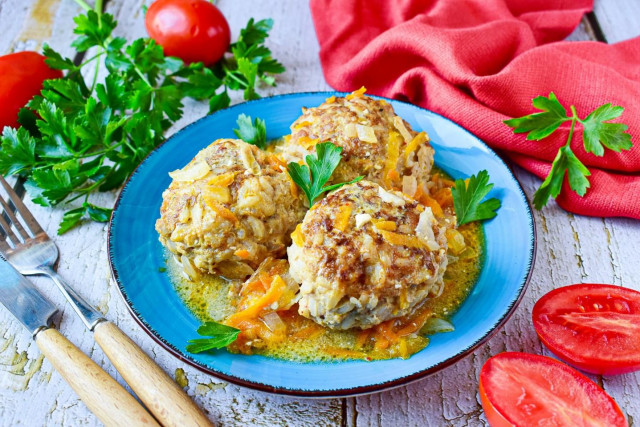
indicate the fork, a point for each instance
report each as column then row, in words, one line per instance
column 34, row 253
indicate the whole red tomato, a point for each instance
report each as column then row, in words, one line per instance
column 192, row 30
column 21, row 77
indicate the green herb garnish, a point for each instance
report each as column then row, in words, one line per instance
column 252, row 132
column 313, row 176
column 467, row 199
column 597, row 134
column 219, row 336
column 80, row 137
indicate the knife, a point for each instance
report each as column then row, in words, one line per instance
column 107, row 399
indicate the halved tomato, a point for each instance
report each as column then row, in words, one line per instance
column 520, row 389
column 595, row 328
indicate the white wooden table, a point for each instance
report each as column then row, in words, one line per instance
column 571, row 249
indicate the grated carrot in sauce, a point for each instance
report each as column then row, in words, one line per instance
column 393, row 175
column 381, row 224
column 393, row 153
column 444, row 197
column 330, row 100
column 220, row 210
column 302, row 124
column 242, row 253
column 417, row 140
column 276, row 162
column 343, row 215
column 429, row 201
column 274, row 293
column 308, row 142
column 401, row 239
column 297, row 236
column 356, row 94
column 223, row 180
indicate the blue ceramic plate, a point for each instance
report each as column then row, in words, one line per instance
column 136, row 255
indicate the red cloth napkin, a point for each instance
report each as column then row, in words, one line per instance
column 479, row 62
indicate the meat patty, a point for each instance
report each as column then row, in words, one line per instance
column 375, row 141
column 364, row 255
column 230, row 208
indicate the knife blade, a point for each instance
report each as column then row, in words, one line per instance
column 23, row 300
column 107, row 399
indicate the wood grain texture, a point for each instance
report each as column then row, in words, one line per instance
column 570, row 249
column 108, row 401
column 618, row 19
column 160, row 394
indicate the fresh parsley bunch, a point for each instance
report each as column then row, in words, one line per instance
column 78, row 137
column 597, row 135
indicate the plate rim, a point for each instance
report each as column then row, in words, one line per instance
column 327, row 393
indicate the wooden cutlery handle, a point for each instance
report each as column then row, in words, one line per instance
column 161, row 395
column 107, row 399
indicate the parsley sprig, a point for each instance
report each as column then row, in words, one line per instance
column 252, row 131
column 219, row 336
column 467, row 199
column 79, row 137
column 313, row 176
column 597, row 135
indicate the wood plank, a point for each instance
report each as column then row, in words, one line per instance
column 619, row 19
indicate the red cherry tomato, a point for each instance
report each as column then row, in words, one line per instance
column 595, row 328
column 192, row 30
column 520, row 389
column 21, row 78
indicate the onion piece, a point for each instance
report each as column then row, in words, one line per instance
column 409, row 185
column 366, row 134
column 188, row 269
column 390, row 198
column 436, row 325
column 399, row 124
column 350, row 130
column 274, row 322
column 424, row 229
column 361, row 219
column 191, row 173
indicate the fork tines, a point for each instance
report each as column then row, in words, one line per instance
column 9, row 220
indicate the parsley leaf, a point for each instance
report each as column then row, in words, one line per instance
column 312, row 177
column 220, row 336
column 79, row 137
column 253, row 132
column 71, row 219
column 467, row 199
column 597, row 134
column 565, row 161
column 540, row 125
column 18, row 151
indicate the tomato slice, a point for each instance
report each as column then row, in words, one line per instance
column 520, row 389
column 593, row 327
